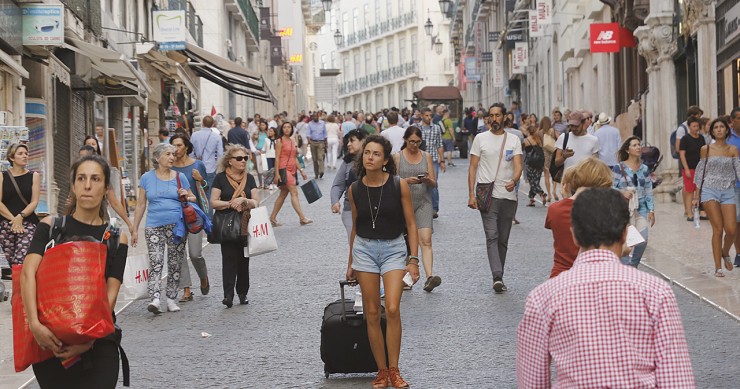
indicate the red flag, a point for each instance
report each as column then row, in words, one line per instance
column 213, row 110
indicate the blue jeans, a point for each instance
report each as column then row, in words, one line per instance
column 435, row 190
column 639, row 249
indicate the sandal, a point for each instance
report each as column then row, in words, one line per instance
column 381, row 380
column 531, row 203
column 544, row 199
column 187, row 298
column 728, row 263
column 719, row 273
column 395, row 380
column 306, row 221
column 275, row 223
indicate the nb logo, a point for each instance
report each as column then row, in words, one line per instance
column 605, row 36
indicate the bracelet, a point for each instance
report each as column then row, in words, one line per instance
column 411, row 258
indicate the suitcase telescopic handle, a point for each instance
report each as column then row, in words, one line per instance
column 342, row 284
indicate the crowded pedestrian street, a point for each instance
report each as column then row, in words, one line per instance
column 462, row 335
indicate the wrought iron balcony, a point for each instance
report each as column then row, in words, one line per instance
column 192, row 20
column 379, row 78
column 378, row 29
column 252, row 20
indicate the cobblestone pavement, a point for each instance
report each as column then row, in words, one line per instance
column 459, row 336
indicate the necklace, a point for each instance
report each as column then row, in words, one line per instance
column 370, row 204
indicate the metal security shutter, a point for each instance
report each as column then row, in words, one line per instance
column 79, row 120
column 62, row 147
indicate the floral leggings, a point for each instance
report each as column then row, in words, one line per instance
column 533, row 177
column 15, row 246
column 156, row 239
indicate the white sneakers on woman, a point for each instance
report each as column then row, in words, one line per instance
column 171, row 306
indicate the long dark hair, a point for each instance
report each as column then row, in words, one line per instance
column 411, row 130
column 97, row 143
column 280, row 133
column 714, row 122
column 390, row 167
column 103, row 212
column 623, row 153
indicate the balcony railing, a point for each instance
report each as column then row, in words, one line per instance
column 378, row 29
column 252, row 20
column 379, row 78
column 88, row 11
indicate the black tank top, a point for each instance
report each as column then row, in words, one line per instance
column 389, row 223
column 10, row 196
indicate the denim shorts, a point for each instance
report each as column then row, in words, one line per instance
column 448, row 144
column 379, row 255
column 737, row 201
column 722, row 196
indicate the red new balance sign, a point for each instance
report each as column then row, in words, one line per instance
column 605, row 37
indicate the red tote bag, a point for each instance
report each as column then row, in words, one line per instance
column 25, row 349
column 71, row 292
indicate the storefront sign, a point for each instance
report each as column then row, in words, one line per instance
column 520, row 57
column 43, row 24
column 494, row 36
column 732, row 23
column 544, row 12
column 610, row 38
column 535, row 30
column 514, row 37
column 169, row 29
column 498, row 68
column 486, row 56
column 471, row 69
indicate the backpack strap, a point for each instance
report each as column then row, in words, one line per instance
column 56, row 230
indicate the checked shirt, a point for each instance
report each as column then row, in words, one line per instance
column 432, row 136
column 603, row 325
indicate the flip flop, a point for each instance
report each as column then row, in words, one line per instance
column 728, row 263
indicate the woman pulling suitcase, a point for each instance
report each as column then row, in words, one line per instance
column 381, row 210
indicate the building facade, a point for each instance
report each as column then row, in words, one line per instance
column 385, row 54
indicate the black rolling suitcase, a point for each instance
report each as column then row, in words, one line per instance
column 344, row 344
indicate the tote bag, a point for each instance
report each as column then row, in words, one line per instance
column 135, row 278
column 261, row 234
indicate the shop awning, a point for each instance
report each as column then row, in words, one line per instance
column 172, row 69
column 111, row 63
column 12, row 65
column 227, row 74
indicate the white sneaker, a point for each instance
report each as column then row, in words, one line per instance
column 154, row 307
column 171, row 306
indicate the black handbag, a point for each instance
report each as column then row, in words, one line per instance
column 556, row 172
column 227, row 228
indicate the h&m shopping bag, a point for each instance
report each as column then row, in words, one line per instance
column 135, row 278
column 261, row 234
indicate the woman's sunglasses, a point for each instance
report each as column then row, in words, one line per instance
column 240, row 158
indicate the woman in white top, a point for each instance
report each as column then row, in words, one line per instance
column 269, row 150
column 333, row 133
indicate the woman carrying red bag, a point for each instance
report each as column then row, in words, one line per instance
column 99, row 363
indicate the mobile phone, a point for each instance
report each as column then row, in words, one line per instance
column 421, row 176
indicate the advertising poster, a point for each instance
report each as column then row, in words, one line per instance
column 498, row 68
column 43, row 24
column 36, row 130
column 169, row 29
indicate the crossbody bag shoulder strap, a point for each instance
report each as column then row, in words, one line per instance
column 624, row 176
column 500, row 156
column 202, row 152
column 704, row 172
column 17, row 189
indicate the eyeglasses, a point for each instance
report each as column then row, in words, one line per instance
column 414, row 142
column 240, row 158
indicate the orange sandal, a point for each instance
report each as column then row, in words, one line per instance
column 395, row 380
column 381, row 380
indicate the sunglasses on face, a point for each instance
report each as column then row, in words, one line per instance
column 240, row 158
column 414, row 142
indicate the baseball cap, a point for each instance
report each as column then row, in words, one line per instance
column 575, row 118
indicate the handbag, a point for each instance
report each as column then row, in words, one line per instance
column 26, row 351
column 261, row 233
column 311, row 190
column 284, row 171
column 193, row 221
column 203, row 202
column 135, row 278
column 227, row 228
column 556, row 172
column 548, row 143
column 484, row 192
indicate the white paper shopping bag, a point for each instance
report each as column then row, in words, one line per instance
column 135, row 278
column 261, row 234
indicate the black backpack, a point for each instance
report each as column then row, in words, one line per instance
column 674, row 152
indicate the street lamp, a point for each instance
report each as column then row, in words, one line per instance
column 428, row 26
column 438, row 46
column 338, row 38
column 444, row 6
column 327, row 5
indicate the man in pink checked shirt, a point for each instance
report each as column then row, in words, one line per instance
column 601, row 323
